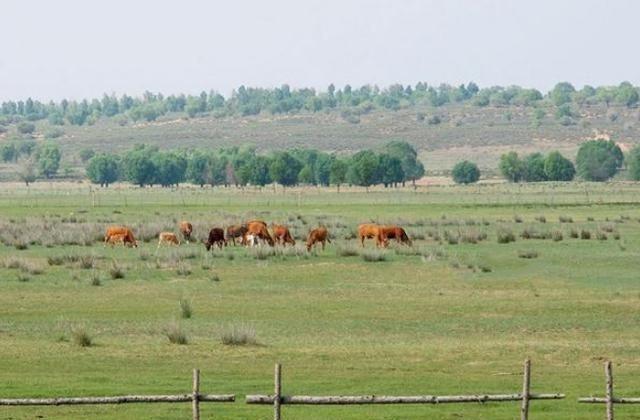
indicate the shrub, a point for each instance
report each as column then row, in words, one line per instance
column 541, row 219
column 598, row 160
column 528, row 254
column 558, row 168
column 585, row 234
column 26, row 127
column 573, row 233
column 185, row 309
column 565, row 219
column 347, row 250
column 238, row 335
column 505, row 236
column 175, row 334
column 484, row 268
column 601, row 236
column 116, row 271
column 55, row 260
column 183, row 269
column 81, row 337
column 374, row 255
column 517, row 219
column 23, row 278
column 556, row 235
column 214, row 277
column 87, row 262
column 95, row 280
column 465, row 172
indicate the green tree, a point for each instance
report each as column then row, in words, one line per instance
column 365, row 168
column 48, row 159
column 259, row 174
column 27, row 171
column 465, row 172
column 633, row 163
column 103, row 169
column 198, row 169
column 391, row 172
column 627, row 94
column 511, row 167
column 8, row 152
column 138, row 168
column 598, row 160
column 562, row 93
column 534, row 168
column 284, row 169
column 338, row 172
column 413, row 169
column 558, row 168
column 170, row 168
column 306, row 175
column 86, row 154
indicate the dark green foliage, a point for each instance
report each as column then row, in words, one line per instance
column 511, row 167
column 364, row 169
column 598, row 160
column 26, row 127
column 170, row 168
column 284, row 169
column 562, row 93
column 138, row 166
column 465, row 172
column 633, row 163
column 391, row 172
column 558, row 168
column 48, row 157
column 534, row 168
column 408, row 156
column 103, row 169
column 338, row 172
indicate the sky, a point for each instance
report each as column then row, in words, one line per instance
column 81, row 49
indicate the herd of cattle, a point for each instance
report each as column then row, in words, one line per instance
column 254, row 232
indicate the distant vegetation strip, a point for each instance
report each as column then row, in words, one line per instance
column 352, row 102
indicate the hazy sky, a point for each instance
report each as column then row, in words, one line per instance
column 83, row 48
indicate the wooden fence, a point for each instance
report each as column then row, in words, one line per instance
column 195, row 397
column 278, row 399
column 609, row 400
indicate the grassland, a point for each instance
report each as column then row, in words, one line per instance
column 456, row 313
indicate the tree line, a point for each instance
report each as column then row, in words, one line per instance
column 396, row 163
column 245, row 101
column 596, row 160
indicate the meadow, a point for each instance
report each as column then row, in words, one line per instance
column 496, row 273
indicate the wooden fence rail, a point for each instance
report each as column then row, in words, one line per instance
column 609, row 400
column 277, row 400
column 195, row 397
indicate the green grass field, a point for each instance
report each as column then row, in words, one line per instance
column 446, row 316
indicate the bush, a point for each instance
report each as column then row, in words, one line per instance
column 557, row 236
column 54, row 133
column 598, row 160
column 175, row 334
column 465, row 172
column 505, row 236
column 185, row 309
column 585, row 234
column 116, row 271
column 374, row 255
column 26, row 127
column 558, row 168
column 541, row 219
column 238, row 335
column 528, row 254
column 81, row 337
column 565, row 219
column 517, row 218
column 347, row 250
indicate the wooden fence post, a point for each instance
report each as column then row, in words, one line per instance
column 195, row 404
column 609, row 389
column 526, row 388
column 277, row 398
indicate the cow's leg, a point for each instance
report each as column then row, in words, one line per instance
column 323, row 245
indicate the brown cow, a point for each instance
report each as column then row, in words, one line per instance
column 282, row 235
column 236, row 231
column 318, row 235
column 128, row 237
column 117, row 239
column 186, row 229
column 216, row 237
column 257, row 229
column 392, row 232
column 369, row 231
column 168, row 238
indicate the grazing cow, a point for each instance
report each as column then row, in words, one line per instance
column 168, row 238
column 186, row 229
column 318, row 235
column 216, row 237
column 369, row 231
column 259, row 230
column 392, row 232
column 236, row 231
column 127, row 234
column 282, row 235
